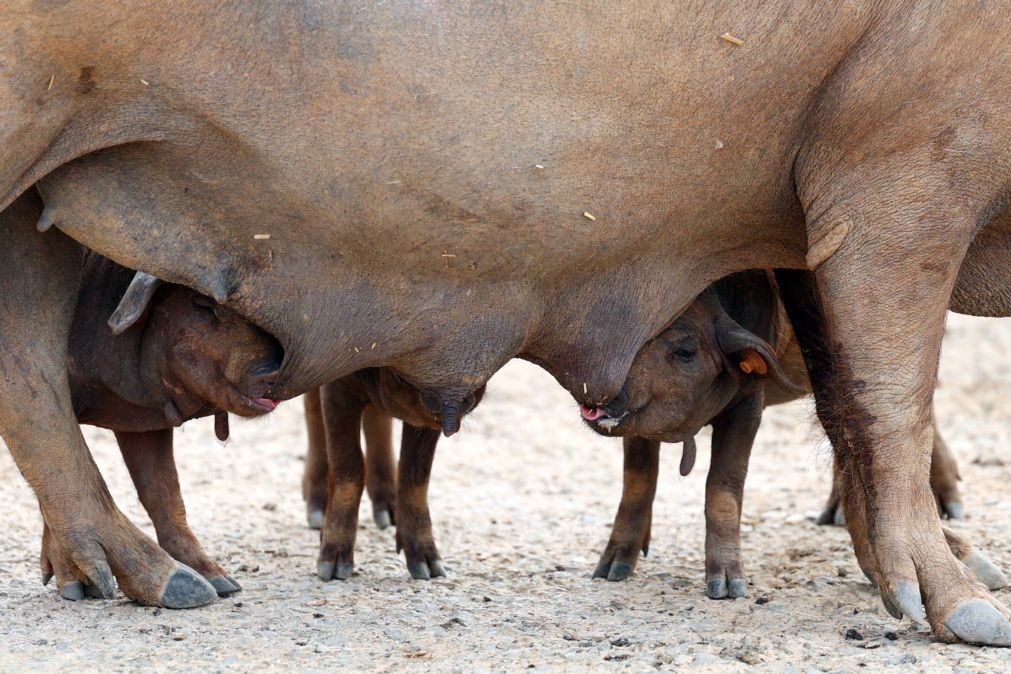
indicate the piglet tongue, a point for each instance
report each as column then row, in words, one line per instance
column 687, row 456
column 591, row 413
column 267, row 403
column 221, row 425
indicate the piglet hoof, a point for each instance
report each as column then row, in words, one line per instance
column 985, row 570
column 423, row 560
column 619, row 559
column 953, row 511
column 613, row 570
column 427, row 569
column 826, row 517
column 224, row 585
column 722, row 587
column 187, row 589
column 334, row 571
column 314, row 518
column 383, row 518
column 978, row 621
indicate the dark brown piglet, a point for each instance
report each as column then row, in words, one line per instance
column 179, row 356
column 336, row 472
column 730, row 354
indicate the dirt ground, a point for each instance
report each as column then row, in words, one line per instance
column 522, row 501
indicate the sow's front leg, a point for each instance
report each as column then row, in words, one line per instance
column 149, row 458
column 631, row 531
column 90, row 540
column 733, row 437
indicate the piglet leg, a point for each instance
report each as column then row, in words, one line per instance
column 345, row 482
column 733, row 436
column 631, row 531
column 315, row 471
column 150, row 460
column 380, row 465
column 414, row 523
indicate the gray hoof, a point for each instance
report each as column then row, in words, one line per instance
column 315, row 519
column 955, row 511
column 907, row 600
column 840, row 517
column 419, row 571
column 737, row 589
column 329, row 570
column 619, row 571
column 979, row 622
column 826, row 516
column 716, row 588
column 187, row 589
column 985, row 570
column 602, row 570
column 224, row 586
column 92, row 592
column 103, row 583
column 72, row 591
column 383, row 519
column 437, row 568
column 46, row 577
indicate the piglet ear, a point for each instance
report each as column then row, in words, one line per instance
column 752, row 354
column 134, row 302
column 752, row 362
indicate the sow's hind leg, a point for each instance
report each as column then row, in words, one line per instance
column 944, row 478
column 89, row 537
column 871, row 331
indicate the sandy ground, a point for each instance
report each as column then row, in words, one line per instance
column 522, row 501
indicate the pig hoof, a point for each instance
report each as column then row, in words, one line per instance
column 716, row 588
column 419, row 570
column 619, row 571
column 840, row 518
column 979, row 622
column 738, row 588
column 826, row 516
column 72, row 591
column 315, row 519
column 93, row 592
column 437, row 568
column 224, row 586
column 905, row 600
column 985, row 570
column 46, row 577
column 383, row 519
column 955, row 511
column 330, row 570
column 617, row 562
column 187, row 589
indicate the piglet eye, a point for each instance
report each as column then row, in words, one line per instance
column 207, row 303
column 681, row 350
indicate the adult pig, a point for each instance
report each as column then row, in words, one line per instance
column 461, row 184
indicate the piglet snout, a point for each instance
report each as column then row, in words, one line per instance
column 618, row 405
